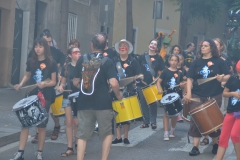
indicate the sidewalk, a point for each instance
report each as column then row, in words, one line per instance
column 10, row 126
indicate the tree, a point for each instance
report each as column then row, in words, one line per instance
column 233, row 4
column 129, row 28
column 192, row 10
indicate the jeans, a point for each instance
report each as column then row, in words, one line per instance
column 149, row 111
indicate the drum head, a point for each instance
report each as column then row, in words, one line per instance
column 169, row 98
column 73, row 95
column 25, row 102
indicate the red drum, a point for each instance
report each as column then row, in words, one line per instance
column 207, row 117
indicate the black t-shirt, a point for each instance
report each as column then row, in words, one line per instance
column 188, row 57
column 70, row 73
column 183, row 71
column 100, row 99
column 206, row 68
column 110, row 53
column 171, row 79
column 233, row 84
column 157, row 65
column 41, row 72
column 227, row 60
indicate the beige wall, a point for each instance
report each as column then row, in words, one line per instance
column 144, row 23
column 6, row 40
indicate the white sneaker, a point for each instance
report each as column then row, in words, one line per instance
column 172, row 135
column 166, row 137
column 39, row 156
column 18, row 156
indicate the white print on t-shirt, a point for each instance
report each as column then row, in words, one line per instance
column 124, row 73
column 147, row 67
column 205, row 72
column 235, row 100
column 38, row 76
column 172, row 83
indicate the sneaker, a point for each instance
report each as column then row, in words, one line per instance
column 179, row 118
column 166, row 137
column 215, row 149
column 35, row 139
column 18, row 156
column 39, row 156
column 96, row 130
column 194, row 151
column 116, row 141
column 126, row 141
column 55, row 133
column 172, row 134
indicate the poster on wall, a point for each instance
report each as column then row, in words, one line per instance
column 85, row 2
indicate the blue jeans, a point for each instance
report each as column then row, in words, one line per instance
column 149, row 111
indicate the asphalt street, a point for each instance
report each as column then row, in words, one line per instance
column 145, row 143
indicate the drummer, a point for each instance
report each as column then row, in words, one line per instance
column 170, row 78
column 68, row 105
column 151, row 65
column 39, row 68
column 207, row 66
column 126, row 66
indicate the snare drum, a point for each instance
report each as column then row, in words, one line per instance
column 73, row 96
column 29, row 111
column 207, row 117
column 172, row 104
column 151, row 94
column 56, row 107
column 127, row 109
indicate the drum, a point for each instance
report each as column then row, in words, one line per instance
column 73, row 96
column 56, row 107
column 151, row 94
column 207, row 117
column 127, row 109
column 30, row 112
column 172, row 104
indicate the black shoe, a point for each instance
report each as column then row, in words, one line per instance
column 116, row 141
column 96, row 130
column 215, row 149
column 194, row 151
column 126, row 141
column 18, row 156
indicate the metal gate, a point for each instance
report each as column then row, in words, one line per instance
column 72, row 26
column 17, row 44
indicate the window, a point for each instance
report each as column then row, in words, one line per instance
column 85, row 2
column 0, row 20
column 159, row 6
column 72, row 26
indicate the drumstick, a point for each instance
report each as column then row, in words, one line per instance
column 10, row 85
column 174, row 87
column 67, row 90
column 204, row 80
column 47, row 80
column 56, row 87
column 154, row 80
column 195, row 99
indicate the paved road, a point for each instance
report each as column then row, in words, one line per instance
column 145, row 143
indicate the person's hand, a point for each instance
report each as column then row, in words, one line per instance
column 236, row 95
column 60, row 89
column 17, row 87
column 120, row 96
column 187, row 98
column 182, row 84
column 160, row 92
column 223, row 84
column 41, row 85
column 219, row 77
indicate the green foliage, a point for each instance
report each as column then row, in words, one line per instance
column 233, row 4
column 203, row 9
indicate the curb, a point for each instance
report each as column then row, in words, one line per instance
column 8, row 136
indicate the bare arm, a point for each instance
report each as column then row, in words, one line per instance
column 227, row 94
column 76, row 82
column 189, row 90
column 62, row 84
column 115, row 87
column 51, row 83
column 24, row 80
column 159, row 81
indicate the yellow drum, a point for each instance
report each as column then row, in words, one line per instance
column 56, row 107
column 151, row 94
column 127, row 109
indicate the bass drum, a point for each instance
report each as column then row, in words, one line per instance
column 207, row 117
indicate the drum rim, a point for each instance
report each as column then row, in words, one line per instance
column 125, row 98
column 172, row 101
column 195, row 110
column 186, row 119
column 213, row 129
column 24, row 106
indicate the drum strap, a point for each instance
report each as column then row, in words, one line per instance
column 147, row 57
column 120, row 70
